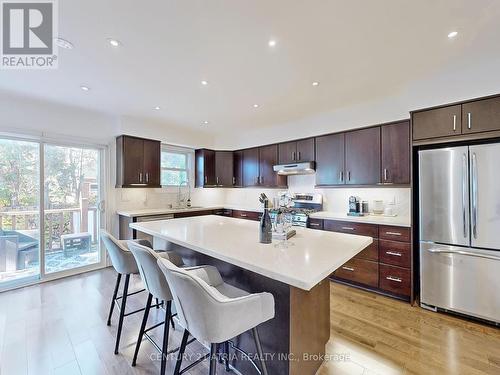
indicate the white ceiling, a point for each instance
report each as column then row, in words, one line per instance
column 357, row 50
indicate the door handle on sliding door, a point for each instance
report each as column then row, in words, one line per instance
column 464, row 192
column 474, row 195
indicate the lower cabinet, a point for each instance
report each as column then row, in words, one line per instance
column 248, row 215
column 384, row 266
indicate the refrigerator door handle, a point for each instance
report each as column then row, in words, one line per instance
column 474, row 195
column 461, row 252
column 464, row 192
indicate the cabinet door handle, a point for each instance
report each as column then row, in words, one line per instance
column 392, row 278
column 393, row 233
column 234, row 180
column 299, row 156
column 217, row 180
column 147, row 177
column 293, row 155
column 469, row 120
column 349, row 175
column 261, row 178
column 341, row 176
column 140, row 177
column 385, row 174
column 314, row 224
column 394, row 253
column 348, row 269
column 348, row 228
column 243, row 215
column 206, row 179
column 454, row 123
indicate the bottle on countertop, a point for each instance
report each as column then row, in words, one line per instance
column 265, row 227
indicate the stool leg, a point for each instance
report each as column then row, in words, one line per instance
column 157, row 304
column 226, row 353
column 180, row 354
column 259, row 350
column 115, row 293
column 166, row 329
column 143, row 328
column 122, row 313
column 213, row 359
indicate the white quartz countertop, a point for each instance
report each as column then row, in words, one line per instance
column 399, row 221
column 313, row 256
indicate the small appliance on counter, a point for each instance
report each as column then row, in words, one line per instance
column 357, row 207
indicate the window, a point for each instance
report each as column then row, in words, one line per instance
column 175, row 164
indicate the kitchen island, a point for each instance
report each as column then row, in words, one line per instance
column 297, row 276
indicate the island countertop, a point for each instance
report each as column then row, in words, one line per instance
column 313, row 256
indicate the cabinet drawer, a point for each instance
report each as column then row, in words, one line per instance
column 360, row 271
column 370, row 253
column 352, row 228
column 223, row 212
column 315, row 224
column 394, row 233
column 249, row 215
column 395, row 279
column 395, row 253
column 192, row 213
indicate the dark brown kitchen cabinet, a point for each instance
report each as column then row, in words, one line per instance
column 205, row 168
column 251, row 167
column 296, row 151
column 137, row 162
column 268, row 158
column 396, row 153
column 481, row 116
column 438, row 122
column 238, row 168
column 224, row 172
column 362, row 156
column 330, row 160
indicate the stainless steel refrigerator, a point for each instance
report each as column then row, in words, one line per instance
column 459, row 202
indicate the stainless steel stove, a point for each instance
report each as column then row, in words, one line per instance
column 304, row 204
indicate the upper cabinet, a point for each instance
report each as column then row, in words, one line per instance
column 395, row 156
column 137, row 162
column 296, row 151
column 330, row 159
column 481, row 116
column 472, row 119
column 238, row 168
column 362, row 157
column 370, row 156
column 440, row 122
column 224, row 172
column 205, row 168
column 258, row 165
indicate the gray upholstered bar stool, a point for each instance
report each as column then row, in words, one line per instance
column 157, row 286
column 215, row 312
column 124, row 263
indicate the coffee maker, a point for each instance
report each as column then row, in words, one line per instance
column 354, row 205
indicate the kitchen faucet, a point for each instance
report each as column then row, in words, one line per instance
column 181, row 199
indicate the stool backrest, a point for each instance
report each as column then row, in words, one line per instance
column 122, row 259
column 151, row 274
column 196, row 302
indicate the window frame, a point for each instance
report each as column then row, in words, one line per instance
column 189, row 155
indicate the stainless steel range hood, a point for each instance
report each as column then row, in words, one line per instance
column 295, row 168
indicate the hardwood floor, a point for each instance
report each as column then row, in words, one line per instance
column 60, row 327
column 383, row 336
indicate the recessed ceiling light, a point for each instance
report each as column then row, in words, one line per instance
column 63, row 43
column 157, row 108
column 452, row 34
column 84, row 88
column 114, row 42
column 272, row 43
column 315, row 83
column 256, row 106
column 204, row 83
column 205, row 122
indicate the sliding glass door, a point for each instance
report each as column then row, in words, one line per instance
column 19, row 211
column 57, row 188
column 71, row 207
